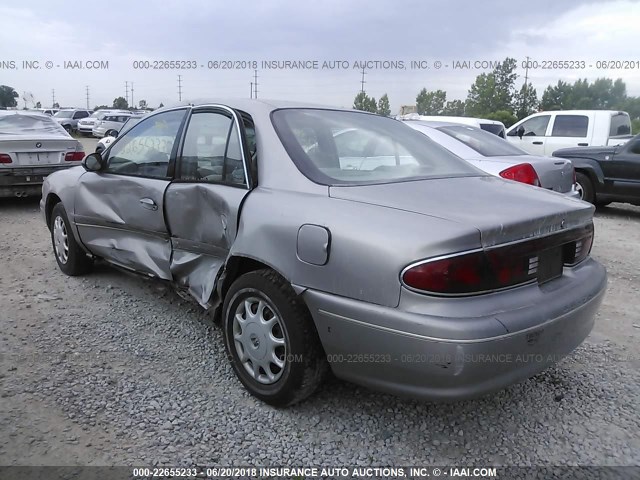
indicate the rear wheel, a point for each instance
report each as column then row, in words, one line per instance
column 585, row 187
column 67, row 128
column 71, row 258
column 271, row 340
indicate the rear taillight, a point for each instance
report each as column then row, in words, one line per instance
column 4, row 158
column 497, row 267
column 523, row 173
column 74, row 157
column 469, row 273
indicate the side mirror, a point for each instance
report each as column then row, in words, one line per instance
column 520, row 131
column 93, row 162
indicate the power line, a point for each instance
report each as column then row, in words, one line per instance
column 180, row 87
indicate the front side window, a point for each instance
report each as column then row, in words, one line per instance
column 341, row 147
column 145, row 150
column 535, row 127
column 211, row 151
column 570, row 126
column 64, row 114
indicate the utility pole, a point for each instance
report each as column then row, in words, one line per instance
column 53, row 97
column 126, row 91
column 87, row 87
column 526, row 87
column 131, row 95
column 180, row 87
column 362, row 82
column 255, row 83
column 251, row 91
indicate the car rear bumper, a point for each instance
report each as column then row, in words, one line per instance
column 85, row 128
column 27, row 181
column 453, row 353
column 98, row 132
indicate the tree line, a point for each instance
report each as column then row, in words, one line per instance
column 494, row 95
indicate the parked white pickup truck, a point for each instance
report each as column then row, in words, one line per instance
column 545, row 132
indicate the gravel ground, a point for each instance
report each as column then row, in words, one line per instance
column 109, row 369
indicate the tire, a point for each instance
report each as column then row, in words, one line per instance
column 602, row 204
column 585, row 186
column 291, row 337
column 100, row 149
column 71, row 258
column 67, row 128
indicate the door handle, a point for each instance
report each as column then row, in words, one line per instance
column 583, row 144
column 148, row 203
column 537, row 143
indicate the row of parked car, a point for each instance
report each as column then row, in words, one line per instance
column 98, row 123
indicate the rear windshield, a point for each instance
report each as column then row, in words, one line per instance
column 21, row 124
column 340, row 147
column 494, row 128
column 620, row 125
column 485, row 143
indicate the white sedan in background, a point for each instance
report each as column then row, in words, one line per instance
column 498, row 157
column 105, row 142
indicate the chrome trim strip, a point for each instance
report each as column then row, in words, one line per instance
column 163, row 236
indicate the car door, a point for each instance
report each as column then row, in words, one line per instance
column 120, row 209
column 533, row 136
column 203, row 203
column 623, row 170
column 568, row 131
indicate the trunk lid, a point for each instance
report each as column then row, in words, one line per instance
column 503, row 211
column 38, row 152
column 554, row 173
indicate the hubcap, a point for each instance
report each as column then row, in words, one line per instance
column 60, row 240
column 580, row 190
column 259, row 340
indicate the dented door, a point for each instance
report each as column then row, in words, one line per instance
column 120, row 211
column 203, row 203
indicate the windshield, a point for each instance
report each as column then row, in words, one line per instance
column 64, row 114
column 485, row 143
column 340, row 147
column 98, row 115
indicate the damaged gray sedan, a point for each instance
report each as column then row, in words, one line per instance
column 379, row 255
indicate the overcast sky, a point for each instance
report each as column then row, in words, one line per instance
column 122, row 32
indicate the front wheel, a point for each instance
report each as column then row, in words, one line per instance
column 271, row 340
column 585, row 187
column 70, row 257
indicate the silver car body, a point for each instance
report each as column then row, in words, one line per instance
column 32, row 145
column 68, row 118
column 343, row 248
column 86, row 125
column 104, row 142
column 554, row 175
column 111, row 121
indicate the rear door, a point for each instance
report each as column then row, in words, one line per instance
column 120, row 211
column 623, row 170
column 203, row 203
column 569, row 131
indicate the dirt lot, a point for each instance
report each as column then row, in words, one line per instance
column 108, row 369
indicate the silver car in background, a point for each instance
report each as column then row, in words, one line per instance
column 32, row 145
column 111, row 122
column 500, row 158
column 380, row 255
column 86, row 125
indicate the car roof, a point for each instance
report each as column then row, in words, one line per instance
column 434, row 124
column 251, row 105
column 22, row 112
column 583, row 112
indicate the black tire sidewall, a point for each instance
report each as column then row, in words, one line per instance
column 588, row 194
column 283, row 391
column 77, row 262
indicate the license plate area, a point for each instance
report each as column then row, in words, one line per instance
column 550, row 264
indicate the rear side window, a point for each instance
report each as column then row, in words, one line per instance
column 493, row 128
column 620, row 125
column 570, row 126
